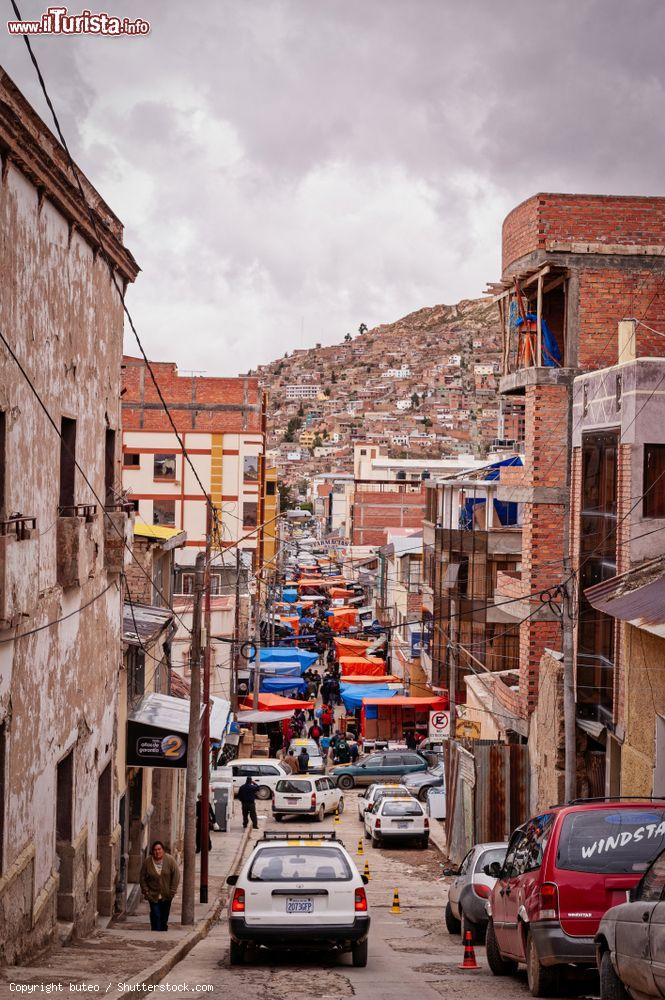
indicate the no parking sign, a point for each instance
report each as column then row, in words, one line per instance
column 439, row 723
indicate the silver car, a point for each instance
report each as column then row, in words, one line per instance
column 316, row 764
column 470, row 889
column 630, row 943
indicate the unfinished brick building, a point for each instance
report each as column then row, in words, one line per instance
column 574, row 266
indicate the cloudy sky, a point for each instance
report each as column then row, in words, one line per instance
column 288, row 169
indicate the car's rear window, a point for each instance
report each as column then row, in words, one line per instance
column 293, row 787
column 611, row 841
column 402, row 809
column 489, row 857
column 302, row 864
column 391, row 793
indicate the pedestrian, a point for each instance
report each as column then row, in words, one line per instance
column 159, row 880
column 315, row 733
column 211, row 823
column 410, row 740
column 354, row 750
column 247, row 795
column 342, row 754
column 303, row 761
column 327, row 719
column 291, row 761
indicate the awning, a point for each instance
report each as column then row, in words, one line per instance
column 220, row 709
column 354, row 665
column 143, row 624
column 281, row 654
column 169, row 538
column 275, row 702
column 351, row 647
column 403, row 701
column 256, row 715
column 162, row 711
column 636, row 597
column 370, row 679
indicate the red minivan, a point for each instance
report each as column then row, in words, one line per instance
column 563, row 870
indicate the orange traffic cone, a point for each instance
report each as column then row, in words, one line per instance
column 469, row 961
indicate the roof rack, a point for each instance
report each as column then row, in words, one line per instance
column 610, row 798
column 299, row 835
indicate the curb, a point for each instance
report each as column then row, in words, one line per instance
column 154, row 973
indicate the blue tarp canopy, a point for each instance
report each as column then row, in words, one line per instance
column 286, row 654
column 282, row 669
column 279, row 685
column 353, row 695
column 290, row 596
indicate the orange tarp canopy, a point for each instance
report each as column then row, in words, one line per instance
column 369, row 667
column 325, row 581
column 293, row 620
column 274, row 703
column 351, row 647
column 402, row 701
column 343, row 618
column 372, row 679
column 336, row 592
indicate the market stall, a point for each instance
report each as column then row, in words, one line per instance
column 391, row 718
column 354, row 665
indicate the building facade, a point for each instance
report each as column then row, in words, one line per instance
column 62, row 556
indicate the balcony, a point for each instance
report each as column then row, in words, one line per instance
column 76, row 547
column 19, row 570
column 117, row 537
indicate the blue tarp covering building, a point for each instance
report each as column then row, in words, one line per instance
column 290, row 596
column 353, row 695
column 283, row 685
column 282, row 654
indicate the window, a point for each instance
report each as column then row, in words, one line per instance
column 64, row 798
column 251, row 468
column 163, row 512
column 131, row 460
column 109, row 466
column 651, row 887
column 67, row 466
column 489, row 857
column 187, row 583
column 293, row 787
column 537, row 835
column 250, row 514
column 611, row 841
column 411, row 759
column 653, row 486
column 464, row 867
column 399, row 808
column 134, row 504
column 135, row 672
column 271, row 489
column 105, row 802
column 215, row 584
column 164, row 467
column 306, row 864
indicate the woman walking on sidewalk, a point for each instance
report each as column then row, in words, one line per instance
column 159, row 882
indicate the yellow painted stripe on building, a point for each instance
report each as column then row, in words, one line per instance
column 217, row 474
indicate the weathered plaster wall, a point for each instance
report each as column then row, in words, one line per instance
column 644, row 666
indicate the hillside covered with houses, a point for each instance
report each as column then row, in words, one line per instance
column 425, row 384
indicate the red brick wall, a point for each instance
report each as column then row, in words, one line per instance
column 608, row 296
column 139, row 585
column 581, row 218
column 373, row 512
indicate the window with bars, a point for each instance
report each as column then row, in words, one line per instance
column 653, row 486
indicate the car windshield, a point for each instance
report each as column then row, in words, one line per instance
column 611, row 841
column 489, row 857
column 311, row 748
column 304, row 864
column 293, row 787
column 402, row 809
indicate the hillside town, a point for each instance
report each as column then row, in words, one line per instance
column 344, row 674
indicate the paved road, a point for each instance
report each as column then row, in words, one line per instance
column 410, row 955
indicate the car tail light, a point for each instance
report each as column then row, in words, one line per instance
column 313, row 800
column 549, row 902
column 361, row 901
column 238, row 901
column 377, row 825
column 426, row 823
column 482, row 890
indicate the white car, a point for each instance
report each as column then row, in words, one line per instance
column 373, row 793
column 395, row 817
column 300, row 794
column 299, row 892
column 316, row 764
column 264, row 772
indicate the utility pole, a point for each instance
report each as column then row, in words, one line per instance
column 189, row 859
column 205, row 737
column 235, row 648
column 567, row 615
column 257, row 657
column 452, row 668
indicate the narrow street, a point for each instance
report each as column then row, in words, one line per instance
column 409, row 955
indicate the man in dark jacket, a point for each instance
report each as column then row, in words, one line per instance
column 247, row 795
column 303, row 761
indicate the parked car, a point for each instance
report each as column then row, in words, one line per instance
column 630, row 943
column 420, row 783
column 466, row 909
column 317, row 764
column 387, row 766
column 395, row 818
column 563, row 871
column 265, row 771
column 304, row 891
column 300, row 794
column 378, row 791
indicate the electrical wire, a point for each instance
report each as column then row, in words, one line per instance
column 63, row 618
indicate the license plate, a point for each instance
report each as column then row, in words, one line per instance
column 292, row 802
column 403, row 824
column 299, row 905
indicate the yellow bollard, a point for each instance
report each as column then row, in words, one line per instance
column 366, row 871
column 337, row 815
column 395, row 907
column 360, row 847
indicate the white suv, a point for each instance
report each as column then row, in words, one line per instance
column 394, row 818
column 300, row 794
column 371, row 796
column 300, row 891
column 264, row 772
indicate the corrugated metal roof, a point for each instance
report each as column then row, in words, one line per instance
column 637, row 597
column 143, row 624
column 171, row 538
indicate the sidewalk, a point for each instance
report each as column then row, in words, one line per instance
column 127, row 948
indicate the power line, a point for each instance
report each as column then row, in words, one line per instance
column 56, row 621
